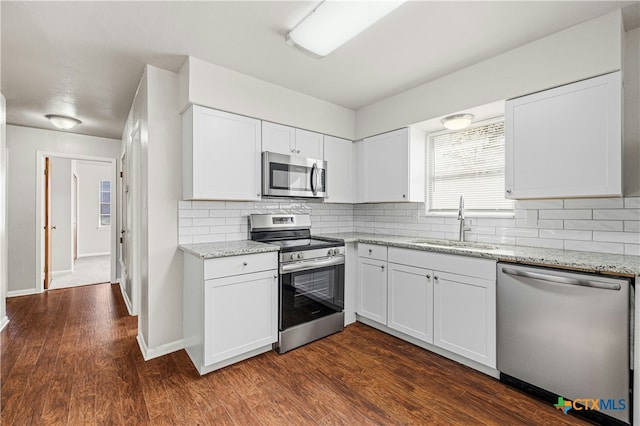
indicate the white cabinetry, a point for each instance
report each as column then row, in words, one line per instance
column 566, row 142
column 338, row 153
column 230, row 308
column 291, row 141
column 372, row 282
column 411, row 301
column 394, row 166
column 221, row 155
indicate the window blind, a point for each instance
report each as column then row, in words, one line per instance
column 469, row 162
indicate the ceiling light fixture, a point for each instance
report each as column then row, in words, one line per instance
column 333, row 23
column 63, row 122
column 457, row 121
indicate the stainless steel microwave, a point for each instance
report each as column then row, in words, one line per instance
column 287, row 176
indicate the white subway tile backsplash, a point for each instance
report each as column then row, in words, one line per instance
column 540, row 242
column 559, row 234
column 602, row 225
column 617, row 214
column 564, row 214
column 599, row 247
column 617, row 237
column 594, row 203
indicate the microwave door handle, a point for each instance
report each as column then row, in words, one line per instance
column 314, row 179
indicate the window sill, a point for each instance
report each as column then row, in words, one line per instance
column 471, row 214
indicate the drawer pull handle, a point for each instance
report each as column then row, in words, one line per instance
column 435, row 277
column 244, row 263
column 370, row 251
column 382, row 267
column 428, row 276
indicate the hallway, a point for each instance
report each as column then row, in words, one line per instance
column 87, row 270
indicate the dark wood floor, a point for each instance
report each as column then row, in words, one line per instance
column 70, row 357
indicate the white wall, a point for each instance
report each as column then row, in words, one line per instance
column 631, row 77
column 92, row 239
column 61, row 236
column 213, row 86
column 585, row 50
column 23, row 143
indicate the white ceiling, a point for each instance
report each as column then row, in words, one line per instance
column 85, row 59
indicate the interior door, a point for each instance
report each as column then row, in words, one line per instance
column 125, row 217
column 74, row 216
column 47, row 223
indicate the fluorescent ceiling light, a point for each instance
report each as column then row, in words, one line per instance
column 332, row 23
column 63, row 122
column 457, row 121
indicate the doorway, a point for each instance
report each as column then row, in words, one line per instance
column 78, row 221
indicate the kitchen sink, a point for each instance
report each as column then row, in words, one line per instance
column 467, row 245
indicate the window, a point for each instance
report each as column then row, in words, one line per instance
column 105, row 203
column 469, row 162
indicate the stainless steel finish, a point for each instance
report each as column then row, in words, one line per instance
column 299, row 335
column 462, row 228
column 314, row 179
column 563, row 280
column 300, row 256
column 269, row 222
column 306, row 265
column 571, row 339
column 269, row 157
column 320, row 253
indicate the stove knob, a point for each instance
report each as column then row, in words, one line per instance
column 292, row 256
column 330, row 252
column 300, row 256
column 336, row 251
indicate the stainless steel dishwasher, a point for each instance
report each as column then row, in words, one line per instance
column 567, row 334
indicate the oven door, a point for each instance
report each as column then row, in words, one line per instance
column 311, row 293
column 286, row 176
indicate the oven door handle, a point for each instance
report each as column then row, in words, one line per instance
column 311, row 264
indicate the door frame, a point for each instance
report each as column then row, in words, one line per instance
column 40, row 258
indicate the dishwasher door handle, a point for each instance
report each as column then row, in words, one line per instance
column 562, row 280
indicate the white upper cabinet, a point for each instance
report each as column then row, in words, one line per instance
column 291, row 141
column 394, row 166
column 338, row 153
column 566, row 142
column 221, row 155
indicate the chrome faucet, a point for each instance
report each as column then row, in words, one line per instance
column 461, row 219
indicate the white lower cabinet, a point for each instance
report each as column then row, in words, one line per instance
column 372, row 289
column 447, row 301
column 410, row 304
column 465, row 316
column 230, row 308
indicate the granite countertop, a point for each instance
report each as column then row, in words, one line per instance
column 227, row 248
column 575, row 260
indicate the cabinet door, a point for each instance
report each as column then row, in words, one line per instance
column 338, row 153
column 566, row 142
column 278, row 138
column 465, row 316
column 411, row 301
column 222, row 156
column 309, row 144
column 372, row 289
column 240, row 314
column 386, row 167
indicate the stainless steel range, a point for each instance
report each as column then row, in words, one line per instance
column 311, row 285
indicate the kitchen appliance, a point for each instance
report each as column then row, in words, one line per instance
column 288, row 176
column 311, row 282
column 565, row 334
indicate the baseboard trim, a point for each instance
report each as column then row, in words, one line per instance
column 3, row 322
column 63, row 271
column 150, row 353
column 125, row 297
column 25, row 292
column 94, row 254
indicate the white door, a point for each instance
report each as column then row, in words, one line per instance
column 309, row 144
column 338, row 153
column 411, row 301
column 241, row 314
column 465, row 316
column 372, row 289
column 386, row 167
column 278, row 138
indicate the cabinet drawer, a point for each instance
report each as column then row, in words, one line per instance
column 243, row 264
column 463, row 265
column 372, row 251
